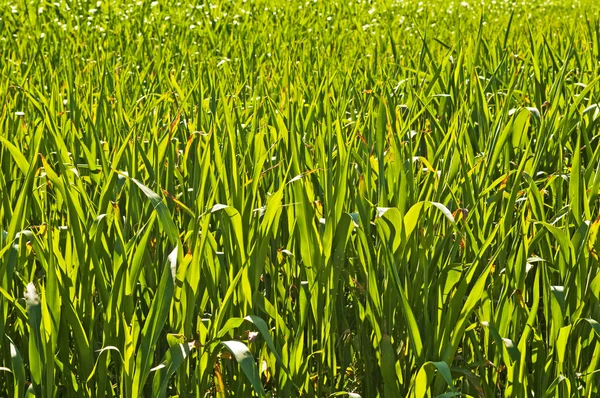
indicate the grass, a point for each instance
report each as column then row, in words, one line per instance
column 299, row 199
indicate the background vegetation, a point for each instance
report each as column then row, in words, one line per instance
column 312, row 198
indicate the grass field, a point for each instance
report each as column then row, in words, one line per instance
column 287, row 199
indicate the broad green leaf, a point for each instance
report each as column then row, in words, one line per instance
column 153, row 325
column 172, row 360
column 245, row 359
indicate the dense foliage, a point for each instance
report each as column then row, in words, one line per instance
column 313, row 198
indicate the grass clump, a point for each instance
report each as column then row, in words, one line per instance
column 238, row 198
